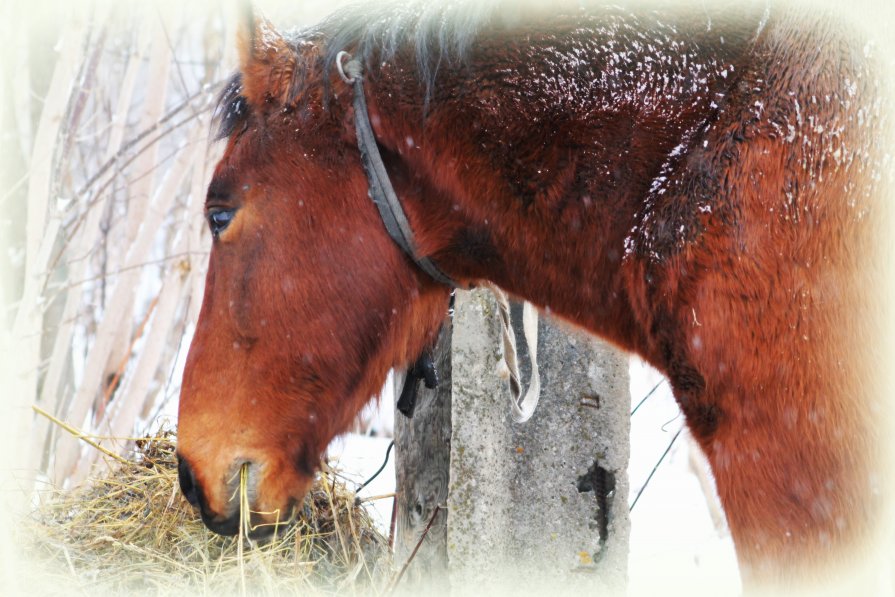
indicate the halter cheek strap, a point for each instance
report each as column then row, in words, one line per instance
column 381, row 191
column 383, row 195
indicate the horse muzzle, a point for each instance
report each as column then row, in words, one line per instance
column 226, row 520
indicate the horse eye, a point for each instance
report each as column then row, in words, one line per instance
column 219, row 219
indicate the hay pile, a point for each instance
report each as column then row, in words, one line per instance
column 132, row 531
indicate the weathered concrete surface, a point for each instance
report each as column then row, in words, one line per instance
column 517, row 520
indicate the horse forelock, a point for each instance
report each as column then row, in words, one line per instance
column 231, row 108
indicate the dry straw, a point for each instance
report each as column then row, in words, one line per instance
column 132, row 531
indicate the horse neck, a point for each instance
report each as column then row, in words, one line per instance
column 605, row 204
column 538, row 174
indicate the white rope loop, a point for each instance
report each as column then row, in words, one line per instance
column 521, row 407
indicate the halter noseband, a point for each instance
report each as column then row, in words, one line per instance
column 381, row 191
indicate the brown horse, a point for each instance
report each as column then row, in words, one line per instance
column 699, row 190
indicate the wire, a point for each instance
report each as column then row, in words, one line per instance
column 650, row 393
column 648, row 479
column 388, row 451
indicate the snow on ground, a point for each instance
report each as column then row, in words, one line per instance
column 357, row 457
column 674, row 541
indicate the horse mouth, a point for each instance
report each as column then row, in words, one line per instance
column 257, row 526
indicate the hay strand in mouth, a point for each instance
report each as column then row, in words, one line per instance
column 132, row 531
column 244, row 517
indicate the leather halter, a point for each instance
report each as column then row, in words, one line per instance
column 380, row 187
column 383, row 195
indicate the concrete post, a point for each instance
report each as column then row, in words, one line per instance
column 541, row 507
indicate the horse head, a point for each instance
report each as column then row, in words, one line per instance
column 308, row 302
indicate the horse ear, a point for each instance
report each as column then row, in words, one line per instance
column 267, row 62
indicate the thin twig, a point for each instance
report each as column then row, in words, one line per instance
column 173, row 50
column 72, row 227
column 122, row 365
column 126, row 268
column 394, row 584
column 142, row 135
column 78, row 434
column 373, row 498
column 392, row 525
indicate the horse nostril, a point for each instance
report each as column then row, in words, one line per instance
column 187, row 481
column 228, row 525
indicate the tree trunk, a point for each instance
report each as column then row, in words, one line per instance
column 422, row 463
